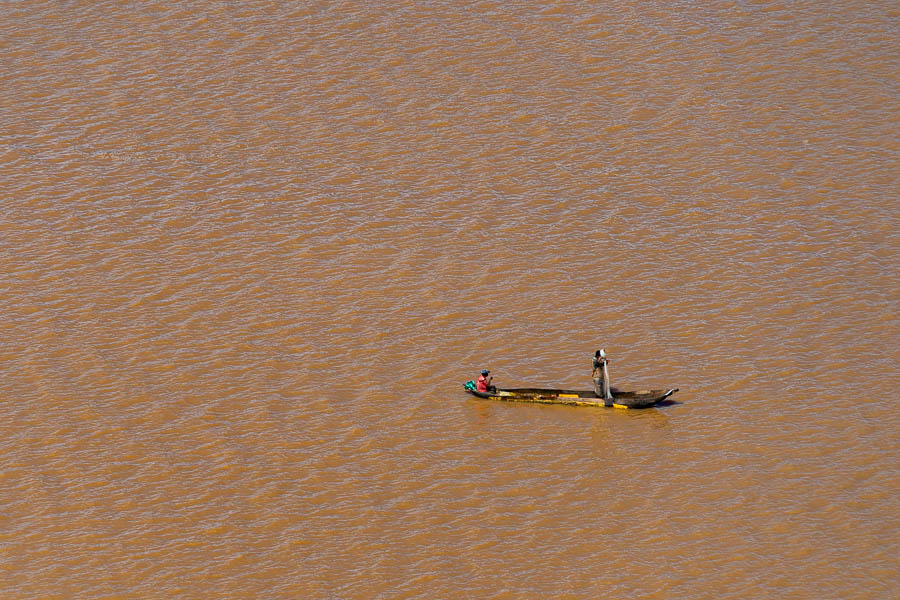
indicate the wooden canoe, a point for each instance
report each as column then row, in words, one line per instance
column 640, row 399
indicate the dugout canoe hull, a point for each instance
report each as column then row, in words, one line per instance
column 621, row 399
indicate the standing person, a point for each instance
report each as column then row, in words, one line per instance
column 483, row 383
column 600, row 375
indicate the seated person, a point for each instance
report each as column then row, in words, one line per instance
column 483, row 383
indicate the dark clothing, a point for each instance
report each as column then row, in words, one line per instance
column 597, row 376
column 597, row 363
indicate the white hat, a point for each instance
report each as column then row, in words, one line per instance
column 602, row 353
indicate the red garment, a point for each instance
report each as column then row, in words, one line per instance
column 481, row 383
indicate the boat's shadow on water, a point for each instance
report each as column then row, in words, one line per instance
column 667, row 402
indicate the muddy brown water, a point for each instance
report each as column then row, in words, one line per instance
column 251, row 251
